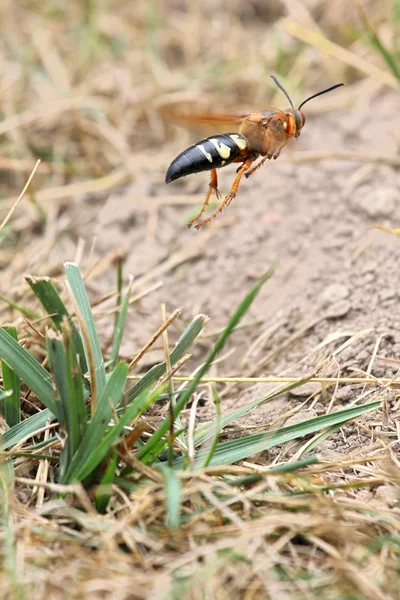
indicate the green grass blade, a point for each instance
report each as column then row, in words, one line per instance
column 104, row 489
column 389, row 57
column 119, row 326
column 8, row 549
column 206, row 431
column 172, row 498
column 147, row 449
column 93, row 459
column 78, row 289
column 69, row 382
column 11, row 384
column 47, row 294
column 120, row 279
column 235, row 450
column 28, row 369
column 56, row 354
column 318, row 439
column 396, row 12
column 182, row 345
column 74, row 403
column 282, row 469
column 98, row 425
column 24, row 311
column 214, row 443
column 25, row 428
column 6, row 473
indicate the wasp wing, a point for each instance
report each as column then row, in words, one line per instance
column 216, row 119
column 205, row 122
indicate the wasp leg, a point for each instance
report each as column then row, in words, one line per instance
column 260, row 164
column 228, row 199
column 212, row 187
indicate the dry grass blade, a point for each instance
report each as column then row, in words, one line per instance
column 170, row 386
column 18, row 200
column 169, row 375
column 155, row 337
column 31, row 116
column 101, row 184
column 313, row 38
column 75, row 489
column 388, row 57
column 330, row 380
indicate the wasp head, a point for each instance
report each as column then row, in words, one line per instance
column 295, row 118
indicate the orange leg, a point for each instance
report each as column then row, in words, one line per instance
column 260, row 164
column 262, row 161
column 212, row 187
column 227, row 200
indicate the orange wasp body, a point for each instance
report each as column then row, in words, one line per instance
column 263, row 133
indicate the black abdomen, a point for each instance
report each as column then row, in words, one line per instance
column 212, row 153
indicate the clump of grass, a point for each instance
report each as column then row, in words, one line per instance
column 89, row 397
column 91, row 451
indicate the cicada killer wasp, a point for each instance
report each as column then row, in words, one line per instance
column 262, row 133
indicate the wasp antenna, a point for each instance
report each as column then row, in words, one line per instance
column 280, row 86
column 320, row 93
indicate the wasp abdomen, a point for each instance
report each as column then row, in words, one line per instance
column 211, row 153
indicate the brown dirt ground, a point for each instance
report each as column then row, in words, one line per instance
column 336, row 275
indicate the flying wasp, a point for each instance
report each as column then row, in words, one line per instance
column 262, row 133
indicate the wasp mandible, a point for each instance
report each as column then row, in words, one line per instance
column 262, row 133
